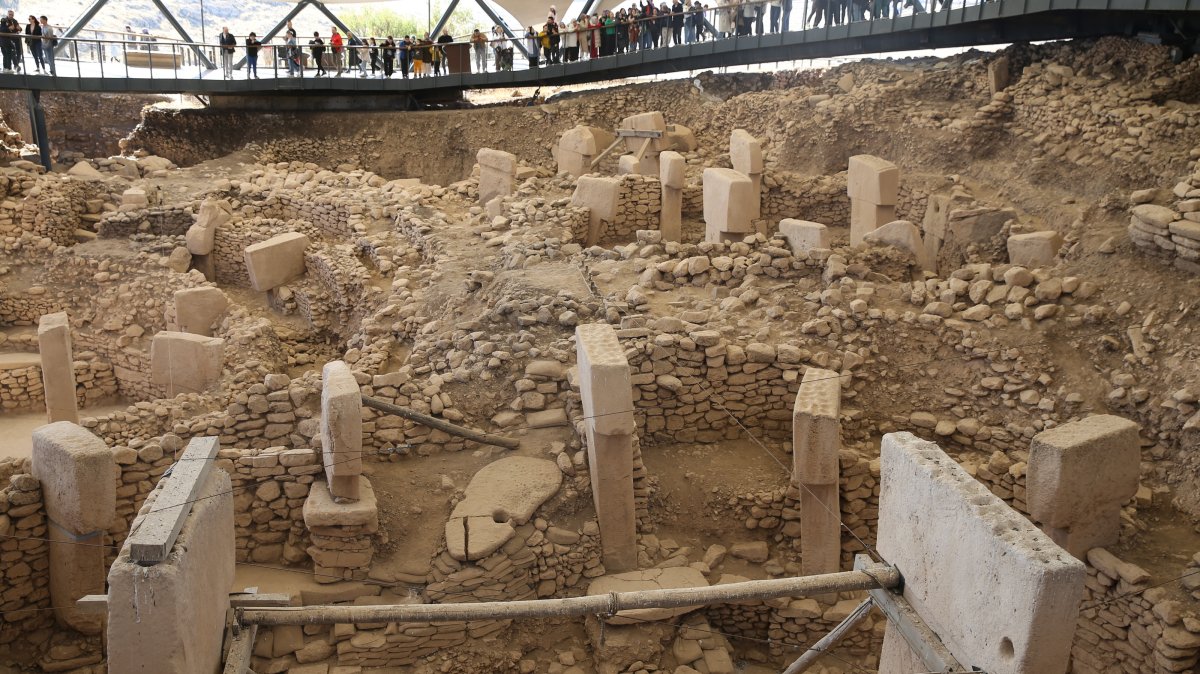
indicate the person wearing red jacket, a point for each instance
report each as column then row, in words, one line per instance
column 337, row 49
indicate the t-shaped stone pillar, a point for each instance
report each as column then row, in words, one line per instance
column 816, row 440
column 873, row 185
column 78, row 478
column 497, row 173
column 671, row 175
column 601, row 195
column 728, row 199
column 58, row 368
column 578, row 148
column 606, row 389
column 341, row 430
column 1080, row 474
column 745, row 153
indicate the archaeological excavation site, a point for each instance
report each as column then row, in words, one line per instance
column 890, row 367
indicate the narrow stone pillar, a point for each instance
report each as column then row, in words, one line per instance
column 58, row 368
column 816, row 441
column 601, row 195
column 1080, row 474
column 170, row 617
column 873, row 185
column 671, row 175
column 745, row 153
column 78, row 477
column 341, row 430
column 606, row 389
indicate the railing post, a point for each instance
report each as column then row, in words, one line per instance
column 101, row 59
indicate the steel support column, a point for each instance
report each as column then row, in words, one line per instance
column 77, row 25
column 320, row 6
column 184, row 34
column 441, row 24
column 37, row 122
column 520, row 46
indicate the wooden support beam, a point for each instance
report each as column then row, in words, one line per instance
column 154, row 534
column 98, row 603
column 642, row 150
column 874, row 576
column 600, row 157
column 434, row 422
column 927, row 646
column 240, row 650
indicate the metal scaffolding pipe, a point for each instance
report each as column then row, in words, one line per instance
column 874, row 577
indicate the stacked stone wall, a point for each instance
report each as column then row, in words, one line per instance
column 24, row 558
column 158, row 221
column 95, row 381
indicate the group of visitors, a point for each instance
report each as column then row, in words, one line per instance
column 40, row 40
column 419, row 56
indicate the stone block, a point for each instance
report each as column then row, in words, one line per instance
column 604, row 379
column 601, row 196
column 745, row 152
column 58, row 367
column 672, row 169
column 1036, row 249
column 610, row 465
column 341, row 429
column 197, row 309
column 170, row 617
column 77, row 471
column 998, row 74
column 944, row 530
column 681, row 138
column 186, row 363
column 134, row 197
column 201, row 236
column 816, row 428
column 586, row 140
column 729, row 200
column 647, row 121
column 276, row 261
column 321, row 510
column 497, row 173
column 873, row 180
column 820, row 529
column 803, row 235
column 1080, row 474
column 900, row 234
column 628, row 164
column 500, row 497
column 866, row 217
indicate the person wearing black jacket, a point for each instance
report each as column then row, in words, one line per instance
column 33, row 40
column 405, row 53
column 9, row 44
column 316, row 47
column 677, row 23
column 228, row 45
column 389, row 57
column 252, row 47
column 441, row 62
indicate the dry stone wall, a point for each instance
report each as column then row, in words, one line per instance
column 25, row 564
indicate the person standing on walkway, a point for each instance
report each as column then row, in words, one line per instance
column 479, row 48
column 293, row 55
column 389, row 57
column 49, row 42
column 228, row 45
column 33, row 41
column 8, row 39
column 443, row 56
column 776, row 13
column 335, row 46
column 316, row 48
column 356, row 48
column 532, row 46
column 374, row 58
column 252, row 48
column 404, row 55
column 677, row 23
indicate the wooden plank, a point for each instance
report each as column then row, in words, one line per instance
column 240, row 650
column 631, row 133
column 155, row 533
column 927, row 646
column 98, row 603
column 600, row 157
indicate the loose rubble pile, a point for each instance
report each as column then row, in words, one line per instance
column 740, row 253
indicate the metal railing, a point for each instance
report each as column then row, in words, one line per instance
column 132, row 55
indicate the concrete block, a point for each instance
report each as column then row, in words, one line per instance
column 672, row 169
column 341, row 429
column 276, row 261
column 866, row 217
column 803, row 235
column 58, row 367
column 900, row 234
column 873, row 180
column 197, row 309
column 74, row 467
column 1080, row 474
column 728, row 202
column 960, row 547
column 186, row 363
column 604, row 379
column 170, row 617
column 745, row 152
column 1036, row 249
